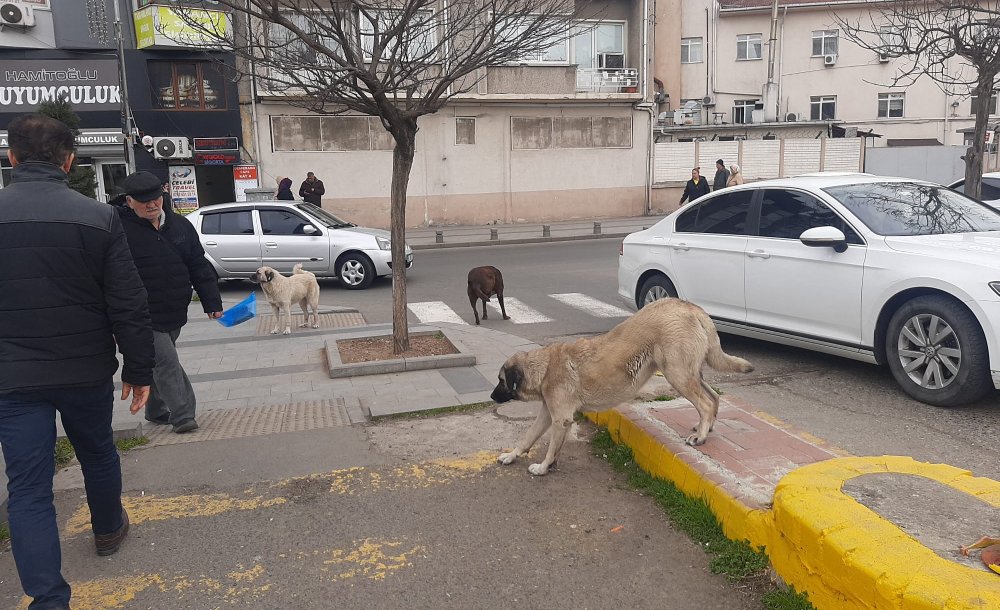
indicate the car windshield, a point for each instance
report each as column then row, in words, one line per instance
column 910, row 208
column 331, row 221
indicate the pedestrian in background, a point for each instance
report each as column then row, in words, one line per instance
column 721, row 176
column 68, row 292
column 170, row 259
column 312, row 190
column 285, row 189
column 695, row 187
column 735, row 175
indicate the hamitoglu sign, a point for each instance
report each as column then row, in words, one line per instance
column 90, row 84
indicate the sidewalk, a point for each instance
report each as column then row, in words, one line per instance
column 864, row 532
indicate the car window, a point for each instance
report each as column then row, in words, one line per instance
column 723, row 214
column 786, row 214
column 282, row 222
column 990, row 189
column 913, row 208
column 227, row 223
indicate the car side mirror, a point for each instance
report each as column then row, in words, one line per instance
column 309, row 230
column 824, row 237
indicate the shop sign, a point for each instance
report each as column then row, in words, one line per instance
column 244, row 177
column 217, row 144
column 183, row 187
column 161, row 26
column 88, row 84
column 38, row 4
column 86, row 138
column 226, row 157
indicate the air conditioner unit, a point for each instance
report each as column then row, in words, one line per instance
column 791, row 117
column 171, row 148
column 16, row 15
column 708, row 101
column 830, row 59
column 882, row 58
column 610, row 61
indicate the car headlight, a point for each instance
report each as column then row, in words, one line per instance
column 383, row 243
column 996, row 287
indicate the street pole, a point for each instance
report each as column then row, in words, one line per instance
column 771, row 88
column 126, row 108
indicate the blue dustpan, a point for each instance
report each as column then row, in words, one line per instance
column 241, row 312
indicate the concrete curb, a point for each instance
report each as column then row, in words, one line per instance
column 338, row 369
column 510, row 242
column 822, row 541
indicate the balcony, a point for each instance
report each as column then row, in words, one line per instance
column 607, row 80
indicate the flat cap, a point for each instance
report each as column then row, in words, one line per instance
column 142, row 186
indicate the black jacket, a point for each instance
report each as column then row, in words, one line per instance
column 170, row 261
column 312, row 192
column 721, row 178
column 693, row 191
column 68, row 288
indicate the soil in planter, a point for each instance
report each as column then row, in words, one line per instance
column 370, row 349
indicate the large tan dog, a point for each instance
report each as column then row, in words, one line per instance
column 301, row 287
column 669, row 335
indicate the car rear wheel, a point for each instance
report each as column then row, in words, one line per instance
column 937, row 352
column 355, row 271
column 653, row 289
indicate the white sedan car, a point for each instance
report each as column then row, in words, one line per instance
column 884, row 270
column 240, row 237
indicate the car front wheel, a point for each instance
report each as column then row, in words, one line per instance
column 937, row 352
column 654, row 289
column 355, row 271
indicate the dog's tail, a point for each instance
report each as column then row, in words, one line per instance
column 298, row 269
column 478, row 291
column 716, row 358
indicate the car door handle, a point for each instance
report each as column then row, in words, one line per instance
column 270, row 244
column 211, row 243
column 682, row 247
column 758, row 254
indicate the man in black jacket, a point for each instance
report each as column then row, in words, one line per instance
column 68, row 292
column 312, row 190
column 170, row 259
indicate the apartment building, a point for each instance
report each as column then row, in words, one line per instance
column 558, row 135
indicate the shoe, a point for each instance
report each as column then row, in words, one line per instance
column 188, row 426
column 107, row 544
column 162, row 420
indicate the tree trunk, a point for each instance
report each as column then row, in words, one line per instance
column 402, row 160
column 974, row 154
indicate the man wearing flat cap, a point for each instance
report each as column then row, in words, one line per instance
column 170, row 260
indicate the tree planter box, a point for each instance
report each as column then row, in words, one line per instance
column 339, row 369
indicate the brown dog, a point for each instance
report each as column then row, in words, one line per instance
column 674, row 337
column 485, row 282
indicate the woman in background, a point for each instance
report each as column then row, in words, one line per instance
column 285, row 189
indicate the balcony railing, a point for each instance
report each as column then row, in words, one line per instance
column 607, row 80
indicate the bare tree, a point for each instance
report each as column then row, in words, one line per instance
column 393, row 59
column 956, row 43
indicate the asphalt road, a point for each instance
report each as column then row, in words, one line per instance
column 853, row 405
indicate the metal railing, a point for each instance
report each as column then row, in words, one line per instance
column 607, row 80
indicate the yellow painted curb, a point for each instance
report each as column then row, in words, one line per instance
column 825, row 543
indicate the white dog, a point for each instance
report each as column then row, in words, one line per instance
column 301, row 287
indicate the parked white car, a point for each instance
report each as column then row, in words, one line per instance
column 884, row 270
column 240, row 237
column 989, row 191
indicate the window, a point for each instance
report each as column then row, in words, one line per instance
column 787, row 214
column 187, row 85
column 723, row 214
column 892, row 42
column 993, row 105
column 418, row 35
column 743, row 111
column 823, row 107
column 600, row 46
column 227, row 223
column 890, row 105
column 465, row 130
column 989, row 189
column 691, row 51
column 749, row 46
column 282, row 222
column 824, row 42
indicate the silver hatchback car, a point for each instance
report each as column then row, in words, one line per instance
column 240, row 237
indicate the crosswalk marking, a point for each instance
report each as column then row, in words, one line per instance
column 591, row 305
column 435, row 311
column 519, row 312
